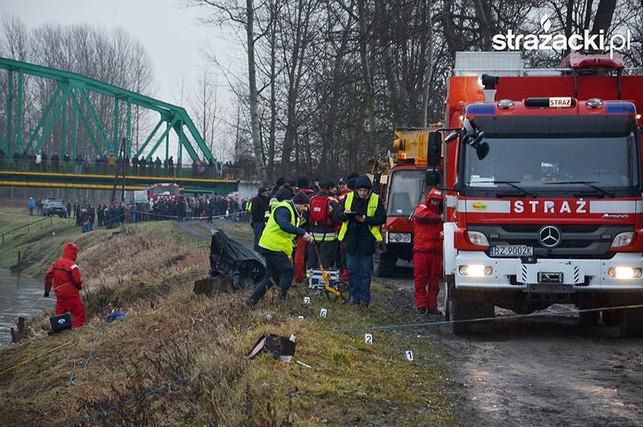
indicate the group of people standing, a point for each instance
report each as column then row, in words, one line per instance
column 336, row 226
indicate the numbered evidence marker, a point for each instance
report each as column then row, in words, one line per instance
column 409, row 355
column 306, row 300
column 301, row 317
column 323, row 313
column 368, row 338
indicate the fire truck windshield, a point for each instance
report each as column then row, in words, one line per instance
column 534, row 164
column 406, row 188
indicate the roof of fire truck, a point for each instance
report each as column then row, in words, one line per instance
column 581, row 77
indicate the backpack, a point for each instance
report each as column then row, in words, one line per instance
column 320, row 211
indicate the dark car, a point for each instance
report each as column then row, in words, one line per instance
column 54, row 207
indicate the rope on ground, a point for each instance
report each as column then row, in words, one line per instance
column 72, row 376
column 393, row 326
column 35, row 357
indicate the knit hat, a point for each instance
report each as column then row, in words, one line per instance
column 327, row 185
column 301, row 199
column 363, row 181
column 302, row 182
column 285, row 193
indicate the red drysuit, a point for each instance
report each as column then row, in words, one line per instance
column 64, row 274
column 300, row 260
column 427, row 251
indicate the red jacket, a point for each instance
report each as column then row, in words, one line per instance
column 427, row 225
column 64, row 273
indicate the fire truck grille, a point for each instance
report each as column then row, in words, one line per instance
column 576, row 241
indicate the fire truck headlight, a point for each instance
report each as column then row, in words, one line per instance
column 399, row 237
column 622, row 239
column 475, row 270
column 624, row 273
column 477, row 238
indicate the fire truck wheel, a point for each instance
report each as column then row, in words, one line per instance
column 466, row 305
column 612, row 317
column 588, row 319
column 384, row 264
column 632, row 323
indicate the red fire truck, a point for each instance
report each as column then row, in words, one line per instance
column 403, row 191
column 168, row 192
column 543, row 204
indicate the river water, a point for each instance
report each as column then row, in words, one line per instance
column 20, row 295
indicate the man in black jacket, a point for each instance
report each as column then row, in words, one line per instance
column 260, row 205
column 362, row 214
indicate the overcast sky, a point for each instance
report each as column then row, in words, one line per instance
column 170, row 31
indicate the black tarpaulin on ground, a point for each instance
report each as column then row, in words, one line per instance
column 233, row 260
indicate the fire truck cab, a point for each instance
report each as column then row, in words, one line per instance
column 543, row 204
column 404, row 190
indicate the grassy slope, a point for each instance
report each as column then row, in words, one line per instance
column 177, row 358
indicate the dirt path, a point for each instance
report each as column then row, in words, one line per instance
column 197, row 229
column 543, row 371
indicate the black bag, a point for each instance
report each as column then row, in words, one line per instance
column 60, row 323
column 280, row 347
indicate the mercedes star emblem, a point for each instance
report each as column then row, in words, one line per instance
column 549, row 236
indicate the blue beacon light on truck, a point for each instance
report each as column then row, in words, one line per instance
column 480, row 109
column 620, row 107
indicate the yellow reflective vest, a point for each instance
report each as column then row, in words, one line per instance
column 273, row 237
column 373, row 201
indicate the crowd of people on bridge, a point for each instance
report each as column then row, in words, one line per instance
column 108, row 163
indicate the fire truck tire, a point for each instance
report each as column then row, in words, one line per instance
column 588, row 319
column 612, row 317
column 384, row 264
column 466, row 305
column 632, row 323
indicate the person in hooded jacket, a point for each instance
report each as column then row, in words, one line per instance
column 362, row 214
column 427, row 252
column 64, row 276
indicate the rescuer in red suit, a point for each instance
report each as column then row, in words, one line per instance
column 64, row 275
column 427, row 252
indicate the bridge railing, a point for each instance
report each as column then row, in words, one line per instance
column 25, row 227
column 77, row 167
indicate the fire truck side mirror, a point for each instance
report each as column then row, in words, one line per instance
column 432, row 178
column 451, row 137
column 434, row 149
column 475, row 141
column 482, row 150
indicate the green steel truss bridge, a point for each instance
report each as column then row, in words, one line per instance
column 71, row 108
